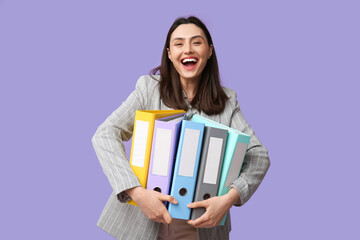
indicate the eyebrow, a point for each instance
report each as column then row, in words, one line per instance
column 179, row 38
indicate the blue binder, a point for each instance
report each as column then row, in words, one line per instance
column 186, row 168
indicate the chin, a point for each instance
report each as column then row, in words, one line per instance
column 192, row 77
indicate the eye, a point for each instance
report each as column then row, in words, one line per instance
column 178, row 44
column 197, row 43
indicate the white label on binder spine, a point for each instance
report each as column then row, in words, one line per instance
column 140, row 139
column 162, row 152
column 236, row 163
column 213, row 160
column 188, row 152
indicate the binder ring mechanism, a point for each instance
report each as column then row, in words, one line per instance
column 206, row 196
column 182, row 191
column 157, row 189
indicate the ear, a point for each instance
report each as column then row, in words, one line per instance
column 169, row 54
column 210, row 50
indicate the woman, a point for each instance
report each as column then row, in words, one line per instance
column 189, row 80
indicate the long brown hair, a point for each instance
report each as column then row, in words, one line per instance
column 210, row 97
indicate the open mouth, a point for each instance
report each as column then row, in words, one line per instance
column 189, row 62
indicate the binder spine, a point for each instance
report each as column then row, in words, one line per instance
column 210, row 167
column 186, row 168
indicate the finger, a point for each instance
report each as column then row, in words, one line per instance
column 160, row 220
column 199, row 221
column 198, row 204
column 190, row 222
column 204, row 225
column 208, row 224
column 168, row 198
column 167, row 217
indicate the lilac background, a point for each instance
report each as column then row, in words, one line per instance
column 66, row 65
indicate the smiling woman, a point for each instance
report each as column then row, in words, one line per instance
column 187, row 79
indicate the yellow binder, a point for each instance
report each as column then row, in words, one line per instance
column 142, row 141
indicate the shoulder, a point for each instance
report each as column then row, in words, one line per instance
column 147, row 88
column 148, row 81
column 232, row 104
column 147, row 84
column 230, row 93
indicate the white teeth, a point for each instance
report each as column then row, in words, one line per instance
column 189, row 60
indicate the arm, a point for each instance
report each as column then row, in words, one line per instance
column 256, row 162
column 109, row 147
column 109, row 137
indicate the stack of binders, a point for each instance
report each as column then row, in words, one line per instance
column 190, row 160
column 142, row 141
column 234, row 155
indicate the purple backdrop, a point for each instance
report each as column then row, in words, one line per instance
column 66, row 65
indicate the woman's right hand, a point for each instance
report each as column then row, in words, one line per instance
column 150, row 203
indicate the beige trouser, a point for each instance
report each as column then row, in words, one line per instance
column 177, row 229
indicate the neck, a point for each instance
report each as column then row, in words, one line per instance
column 190, row 86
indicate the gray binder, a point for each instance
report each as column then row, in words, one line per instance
column 211, row 160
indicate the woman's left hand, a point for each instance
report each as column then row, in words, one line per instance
column 216, row 209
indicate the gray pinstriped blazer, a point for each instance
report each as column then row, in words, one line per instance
column 125, row 221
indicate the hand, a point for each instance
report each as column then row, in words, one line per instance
column 216, row 209
column 150, row 203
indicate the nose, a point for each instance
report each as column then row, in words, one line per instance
column 188, row 48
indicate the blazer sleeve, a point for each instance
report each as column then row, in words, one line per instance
column 109, row 137
column 256, row 161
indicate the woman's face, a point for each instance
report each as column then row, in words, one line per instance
column 189, row 51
